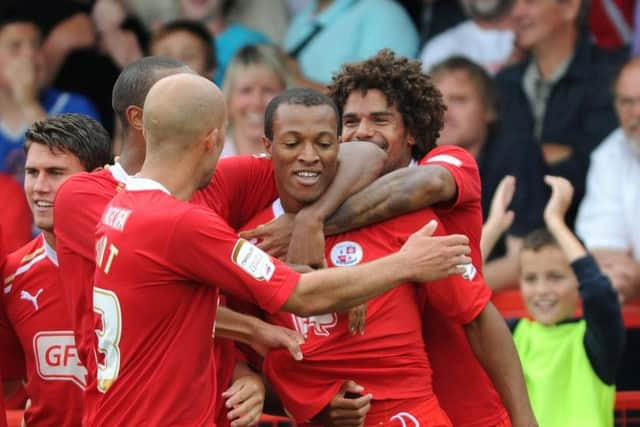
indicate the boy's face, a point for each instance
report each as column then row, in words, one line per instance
column 549, row 286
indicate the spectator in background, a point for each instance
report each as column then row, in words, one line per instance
column 607, row 219
column 255, row 75
column 611, row 22
column 24, row 97
column 329, row 33
column 472, row 122
column 188, row 42
column 229, row 37
column 569, row 364
column 15, row 216
column 559, row 95
column 485, row 38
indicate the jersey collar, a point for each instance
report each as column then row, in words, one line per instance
column 134, row 183
column 50, row 251
column 278, row 209
column 119, row 173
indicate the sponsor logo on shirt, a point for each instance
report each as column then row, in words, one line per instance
column 252, row 260
column 446, row 158
column 320, row 325
column 116, row 218
column 406, row 419
column 33, row 299
column 345, row 254
column 57, row 358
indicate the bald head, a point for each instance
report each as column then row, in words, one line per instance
column 181, row 109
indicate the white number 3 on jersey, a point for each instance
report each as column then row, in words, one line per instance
column 107, row 306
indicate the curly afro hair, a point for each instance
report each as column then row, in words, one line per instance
column 404, row 85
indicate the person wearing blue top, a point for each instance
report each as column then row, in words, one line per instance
column 329, row 33
column 229, row 37
column 23, row 97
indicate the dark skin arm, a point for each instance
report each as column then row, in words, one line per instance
column 359, row 164
column 493, row 345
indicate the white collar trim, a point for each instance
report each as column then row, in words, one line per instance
column 50, row 251
column 135, row 183
column 119, row 173
column 278, row 209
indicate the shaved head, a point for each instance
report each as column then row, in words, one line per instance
column 180, row 110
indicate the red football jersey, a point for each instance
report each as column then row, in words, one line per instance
column 465, row 391
column 241, row 187
column 3, row 255
column 391, row 348
column 159, row 263
column 36, row 310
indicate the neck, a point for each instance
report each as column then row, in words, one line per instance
column 475, row 149
column 133, row 152
column 322, row 5
column 176, row 173
column 552, row 53
column 50, row 238
column 502, row 24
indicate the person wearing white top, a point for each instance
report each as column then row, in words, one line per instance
column 607, row 218
column 486, row 38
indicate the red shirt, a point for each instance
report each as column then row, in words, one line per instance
column 3, row 419
column 392, row 346
column 463, row 387
column 241, row 187
column 37, row 313
column 159, row 263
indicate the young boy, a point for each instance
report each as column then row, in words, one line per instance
column 569, row 363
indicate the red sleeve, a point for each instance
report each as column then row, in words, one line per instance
column 207, row 251
column 241, row 187
column 15, row 216
column 456, row 297
column 464, row 169
column 11, row 357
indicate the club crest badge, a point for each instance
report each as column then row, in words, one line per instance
column 346, row 254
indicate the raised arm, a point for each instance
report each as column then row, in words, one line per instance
column 396, row 193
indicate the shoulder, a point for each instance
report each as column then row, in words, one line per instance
column 237, row 31
column 21, row 261
column 614, row 145
column 58, row 102
column 450, row 154
column 87, row 186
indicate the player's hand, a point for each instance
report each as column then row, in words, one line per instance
column 307, row 242
column 357, row 317
column 433, row 258
column 273, row 237
column 246, row 397
column 344, row 411
column 560, row 200
column 268, row 337
column 498, row 213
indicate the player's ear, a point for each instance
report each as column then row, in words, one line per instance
column 134, row 117
column 211, row 140
column 267, row 145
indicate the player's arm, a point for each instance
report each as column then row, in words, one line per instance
column 493, row 346
column 301, row 235
column 423, row 258
column 245, row 398
column 396, row 193
column 261, row 336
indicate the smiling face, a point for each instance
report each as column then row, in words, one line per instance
column 304, row 152
column 549, row 286
column 45, row 171
column 251, row 90
column 369, row 117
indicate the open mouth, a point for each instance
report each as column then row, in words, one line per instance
column 307, row 177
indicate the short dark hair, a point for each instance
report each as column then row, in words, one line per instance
column 17, row 13
column 538, row 239
column 78, row 134
column 135, row 81
column 196, row 29
column 297, row 96
column 479, row 76
column 404, row 85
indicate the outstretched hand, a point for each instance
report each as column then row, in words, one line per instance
column 560, row 200
column 273, row 237
column 436, row 257
column 269, row 337
column 498, row 213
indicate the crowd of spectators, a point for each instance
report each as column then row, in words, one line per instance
column 531, row 87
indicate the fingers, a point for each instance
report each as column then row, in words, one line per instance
column 352, row 387
column 292, row 341
column 256, row 233
column 247, row 412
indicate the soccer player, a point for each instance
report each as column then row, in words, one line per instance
column 152, row 246
column 3, row 329
column 301, row 137
column 387, row 100
column 34, row 304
